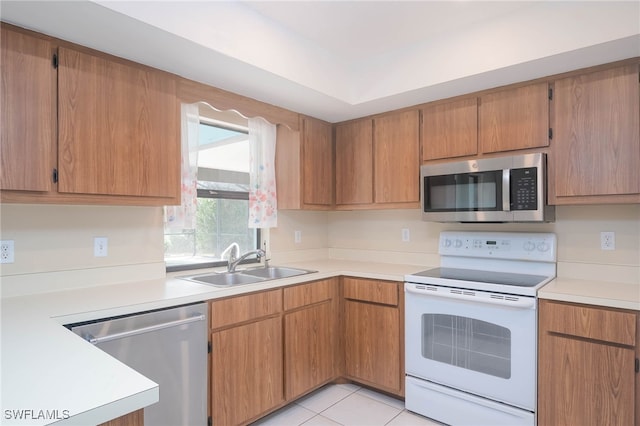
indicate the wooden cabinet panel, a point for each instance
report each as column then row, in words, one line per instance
column 596, row 143
column 590, row 322
column 583, row 379
column 450, row 129
column 246, row 371
column 310, row 348
column 396, row 157
column 243, row 308
column 28, row 119
column 514, row 119
column 307, row 294
column 375, row 291
column 354, row 163
column 118, row 128
column 372, row 344
column 317, row 162
column 135, row 418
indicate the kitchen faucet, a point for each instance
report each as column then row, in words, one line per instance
column 234, row 260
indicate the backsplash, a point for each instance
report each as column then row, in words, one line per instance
column 54, row 244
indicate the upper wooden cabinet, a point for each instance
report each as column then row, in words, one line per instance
column 354, row 162
column 28, row 119
column 514, row 119
column 596, row 144
column 450, row 129
column 304, row 166
column 117, row 126
column 377, row 162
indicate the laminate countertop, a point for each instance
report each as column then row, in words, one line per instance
column 600, row 293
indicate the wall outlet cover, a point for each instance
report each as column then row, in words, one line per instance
column 7, row 251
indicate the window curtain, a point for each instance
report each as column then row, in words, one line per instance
column 263, row 206
column 184, row 216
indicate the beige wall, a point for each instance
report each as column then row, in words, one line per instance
column 54, row 244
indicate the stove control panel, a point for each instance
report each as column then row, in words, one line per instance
column 499, row 245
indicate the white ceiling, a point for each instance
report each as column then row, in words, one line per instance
column 338, row 60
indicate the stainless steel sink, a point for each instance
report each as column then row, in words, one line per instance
column 275, row 272
column 247, row 276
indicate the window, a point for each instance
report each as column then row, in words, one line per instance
column 223, row 201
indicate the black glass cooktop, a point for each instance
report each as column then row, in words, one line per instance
column 472, row 275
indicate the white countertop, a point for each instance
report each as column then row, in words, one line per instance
column 609, row 294
column 51, row 375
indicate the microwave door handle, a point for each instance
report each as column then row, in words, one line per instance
column 506, row 190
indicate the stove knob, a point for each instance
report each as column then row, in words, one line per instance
column 458, row 244
column 529, row 246
column 446, row 243
column 543, row 246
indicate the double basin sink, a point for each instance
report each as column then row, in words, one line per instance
column 247, row 276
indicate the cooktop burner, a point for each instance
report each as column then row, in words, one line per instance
column 473, row 275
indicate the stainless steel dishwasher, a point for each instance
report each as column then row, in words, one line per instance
column 169, row 346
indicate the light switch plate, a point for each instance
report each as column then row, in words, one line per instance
column 100, row 246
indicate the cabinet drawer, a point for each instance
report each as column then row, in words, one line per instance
column 244, row 308
column 308, row 294
column 589, row 322
column 383, row 292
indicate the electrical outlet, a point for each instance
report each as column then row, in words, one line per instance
column 100, row 246
column 406, row 236
column 6, row 251
column 297, row 237
column 608, row 240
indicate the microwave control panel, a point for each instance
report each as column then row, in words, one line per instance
column 524, row 188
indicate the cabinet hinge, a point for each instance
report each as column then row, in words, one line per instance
column 637, row 365
column 55, row 60
column 550, row 93
column 209, row 421
column 550, row 133
column 209, row 347
column 55, row 175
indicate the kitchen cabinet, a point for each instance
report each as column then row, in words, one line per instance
column 28, row 119
column 117, row 126
column 310, row 336
column 377, row 162
column 354, row 163
column 596, row 142
column 450, row 129
column 304, row 165
column 587, row 365
column 374, row 333
column 246, row 357
column 514, row 118
column 135, row 418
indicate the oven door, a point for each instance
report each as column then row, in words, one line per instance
column 474, row 341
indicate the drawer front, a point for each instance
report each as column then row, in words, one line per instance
column 589, row 322
column 245, row 308
column 376, row 291
column 308, row 294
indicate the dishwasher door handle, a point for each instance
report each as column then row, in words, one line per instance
column 148, row 329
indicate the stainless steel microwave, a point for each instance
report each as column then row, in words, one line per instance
column 500, row 189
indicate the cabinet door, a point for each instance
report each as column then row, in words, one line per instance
column 246, row 371
column 372, row 344
column 354, row 163
column 310, row 342
column 118, row 128
column 514, row 119
column 28, row 119
column 396, row 158
column 317, row 162
column 450, row 129
column 584, row 383
column 596, row 143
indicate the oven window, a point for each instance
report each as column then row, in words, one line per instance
column 463, row 192
column 467, row 343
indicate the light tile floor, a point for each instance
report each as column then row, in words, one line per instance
column 346, row 405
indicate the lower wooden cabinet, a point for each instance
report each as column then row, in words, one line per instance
column 310, row 336
column 373, row 333
column 587, row 365
column 246, row 358
column 134, row 418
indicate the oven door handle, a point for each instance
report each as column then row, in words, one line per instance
column 504, row 300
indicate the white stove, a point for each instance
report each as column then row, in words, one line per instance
column 471, row 330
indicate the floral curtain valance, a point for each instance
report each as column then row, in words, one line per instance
column 263, row 206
